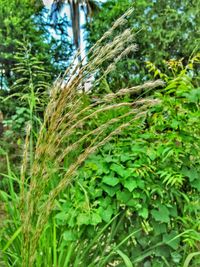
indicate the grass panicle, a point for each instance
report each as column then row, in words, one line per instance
column 65, row 134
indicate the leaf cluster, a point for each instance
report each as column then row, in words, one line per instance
column 150, row 174
column 164, row 30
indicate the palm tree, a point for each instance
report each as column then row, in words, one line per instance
column 88, row 6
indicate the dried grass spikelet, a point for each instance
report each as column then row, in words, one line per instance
column 64, row 133
column 134, row 90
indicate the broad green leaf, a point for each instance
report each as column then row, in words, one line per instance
column 111, row 191
column 147, row 264
column 133, row 203
column 159, row 228
column 193, row 96
column 119, row 170
column 109, row 180
column 151, row 154
column 176, row 256
column 106, row 214
column 62, row 216
column 109, row 159
column 163, row 251
column 95, row 219
column 161, row 215
column 105, row 201
column 158, row 263
column 125, row 157
column 196, row 184
column 124, row 196
column 92, row 165
column 83, row 218
column 69, row 235
column 143, row 213
column 140, row 183
column 130, row 184
column 192, row 173
column 173, row 211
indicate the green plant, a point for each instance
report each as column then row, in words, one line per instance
column 112, row 180
column 150, row 174
column 189, row 258
column 30, row 100
column 165, row 30
column 64, row 142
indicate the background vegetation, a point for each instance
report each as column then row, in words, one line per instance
column 109, row 177
column 164, row 30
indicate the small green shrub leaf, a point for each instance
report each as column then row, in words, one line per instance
column 112, row 181
column 130, row 184
column 144, row 213
column 83, row 218
column 124, row 196
column 69, row 236
column 119, row 170
column 95, row 219
column 161, row 215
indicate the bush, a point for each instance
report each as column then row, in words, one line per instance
column 149, row 178
column 135, row 200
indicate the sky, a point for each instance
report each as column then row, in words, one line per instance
column 48, row 3
column 66, row 11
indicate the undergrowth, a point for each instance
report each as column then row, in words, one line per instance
column 110, row 182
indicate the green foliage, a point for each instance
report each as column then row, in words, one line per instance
column 29, row 93
column 149, row 174
column 164, row 30
column 17, row 121
column 66, row 138
column 27, row 22
column 135, row 202
column 17, row 24
column 34, row 84
column 189, row 258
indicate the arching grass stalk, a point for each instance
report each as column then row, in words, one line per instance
column 65, row 134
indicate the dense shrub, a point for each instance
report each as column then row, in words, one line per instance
column 135, row 200
column 149, row 178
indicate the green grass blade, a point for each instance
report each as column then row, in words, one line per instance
column 189, row 258
column 125, row 258
column 16, row 233
column 54, row 243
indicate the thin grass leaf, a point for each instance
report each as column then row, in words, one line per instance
column 189, row 258
column 125, row 258
column 12, row 238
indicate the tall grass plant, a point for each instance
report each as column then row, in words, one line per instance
column 30, row 235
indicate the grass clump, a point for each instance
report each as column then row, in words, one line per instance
column 64, row 142
column 111, row 180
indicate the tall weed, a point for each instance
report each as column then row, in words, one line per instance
column 64, row 142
